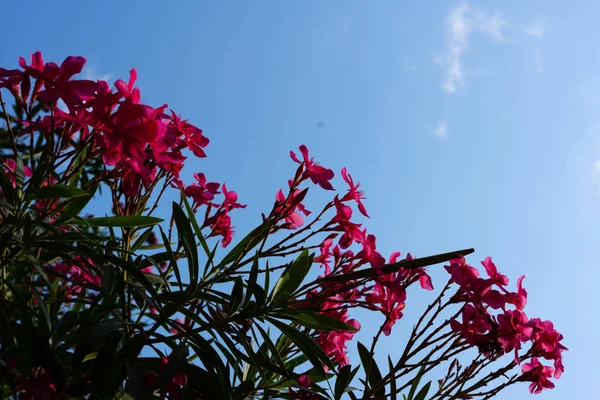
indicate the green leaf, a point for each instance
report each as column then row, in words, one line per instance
column 6, row 185
column 292, row 278
column 237, row 296
column 423, row 392
column 74, row 207
column 245, row 245
column 314, row 320
column 307, row 346
column 186, row 236
column 371, row 370
column 132, row 270
column 121, row 221
column 417, row 379
column 272, row 348
column 393, row 394
column 344, row 377
column 176, row 363
column 172, row 260
column 20, row 177
column 404, row 264
column 57, row 191
column 195, row 225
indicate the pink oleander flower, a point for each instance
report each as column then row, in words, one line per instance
column 317, row 174
column 518, row 299
column 354, row 193
column 40, row 388
column 538, row 375
column 333, row 343
column 193, row 137
column 126, row 90
column 546, row 343
column 513, row 330
column 173, row 387
column 289, row 208
column 304, row 380
column 202, row 192
column 369, row 251
column 492, row 272
column 57, row 80
column 324, row 257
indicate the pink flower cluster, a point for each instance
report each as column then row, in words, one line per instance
column 386, row 293
column 77, row 277
column 137, row 143
column 509, row 329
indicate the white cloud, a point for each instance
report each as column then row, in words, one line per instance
column 90, row 73
column 536, row 30
column 461, row 22
column 491, row 25
column 457, row 43
column 441, row 130
column 597, row 167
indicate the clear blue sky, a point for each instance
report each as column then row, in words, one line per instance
column 469, row 125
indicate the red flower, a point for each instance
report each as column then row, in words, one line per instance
column 172, row 388
column 193, row 137
column 286, row 208
column 333, row 343
column 127, row 90
column 317, row 174
column 57, row 80
column 492, row 271
column 304, row 380
column 40, row 388
column 513, row 330
column 203, row 192
column 354, row 193
column 538, row 375
column 518, row 299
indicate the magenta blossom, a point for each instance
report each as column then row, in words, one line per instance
column 317, row 174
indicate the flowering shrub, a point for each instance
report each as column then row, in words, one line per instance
column 129, row 305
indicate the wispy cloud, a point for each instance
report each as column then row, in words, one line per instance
column 457, row 43
column 90, row 73
column 461, row 22
column 597, row 167
column 441, row 130
column 536, row 29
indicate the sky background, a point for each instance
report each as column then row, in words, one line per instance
column 469, row 124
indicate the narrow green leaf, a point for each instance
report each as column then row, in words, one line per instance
column 20, row 177
column 175, row 363
column 195, row 225
column 393, row 394
column 344, row 377
column 314, row 320
column 123, row 221
column 57, row 191
column 236, row 298
column 74, row 207
column 172, row 260
column 307, row 346
column 6, row 185
column 186, row 236
column 245, row 245
column 292, row 278
column 404, row 264
column 417, row 380
column 371, row 370
column 423, row 392
column 278, row 360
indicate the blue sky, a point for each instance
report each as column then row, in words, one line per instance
column 468, row 124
